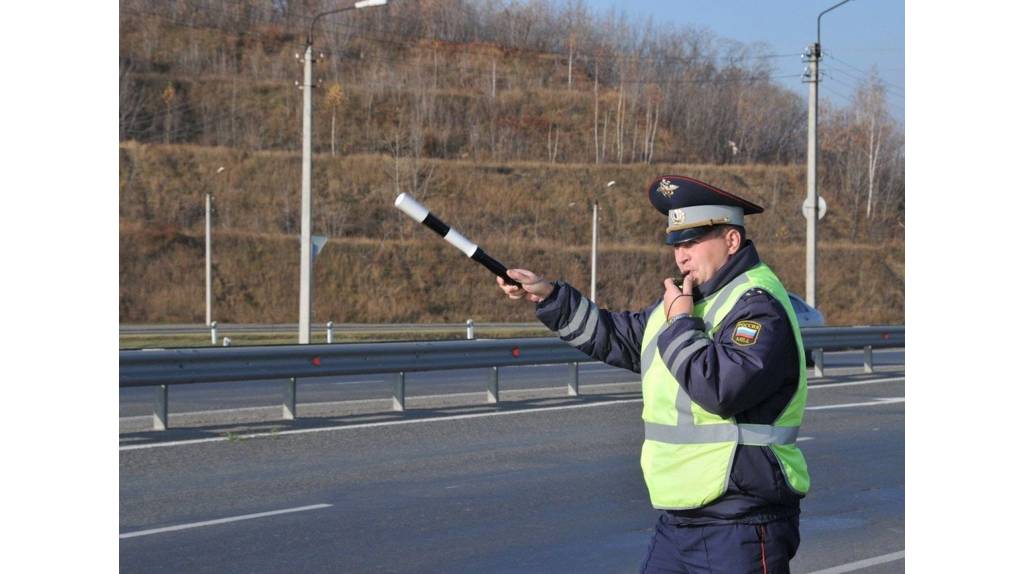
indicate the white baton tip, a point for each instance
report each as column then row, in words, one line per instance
column 411, row 207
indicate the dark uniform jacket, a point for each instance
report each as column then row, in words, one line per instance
column 752, row 383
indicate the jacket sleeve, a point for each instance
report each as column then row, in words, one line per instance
column 748, row 359
column 613, row 338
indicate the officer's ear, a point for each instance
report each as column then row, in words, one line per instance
column 733, row 240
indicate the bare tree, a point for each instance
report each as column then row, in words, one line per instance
column 572, row 46
column 872, row 119
column 130, row 99
column 335, row 98
column 168, row 99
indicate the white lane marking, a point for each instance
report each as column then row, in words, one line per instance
column 221, row 521
column 890, row 350
column 803, row 438
column 238, row 410
column 854, row 383
column 380, row 424
column 860, row 564
column 878, row 401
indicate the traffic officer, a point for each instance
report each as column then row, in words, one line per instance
column 721, row 361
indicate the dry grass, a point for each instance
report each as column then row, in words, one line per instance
column 381, row 267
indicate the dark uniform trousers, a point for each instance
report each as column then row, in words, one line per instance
column 722, row 548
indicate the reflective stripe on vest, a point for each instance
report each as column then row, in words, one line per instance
column 688, row 451
column 746, row 434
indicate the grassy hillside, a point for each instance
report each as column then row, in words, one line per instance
column 381, row 267
column 505, row 119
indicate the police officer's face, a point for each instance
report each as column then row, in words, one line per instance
column 704, row 256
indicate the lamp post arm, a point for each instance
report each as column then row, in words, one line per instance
column 309, row 36
column 818, row 44
column 360, row 4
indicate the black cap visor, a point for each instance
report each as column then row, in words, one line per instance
column 684, row 235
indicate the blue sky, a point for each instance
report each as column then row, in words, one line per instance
column 855, row 36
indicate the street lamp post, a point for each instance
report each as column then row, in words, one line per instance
column 305, row 236
column 209, row 254
column 593, row 248
column 811, row 207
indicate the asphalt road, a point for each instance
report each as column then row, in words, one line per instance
column 551, row 489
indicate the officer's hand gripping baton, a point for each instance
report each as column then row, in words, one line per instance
column 415, row 210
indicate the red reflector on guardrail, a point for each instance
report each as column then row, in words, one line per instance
column 885, row 336
column 315, row 361
column 515, row 352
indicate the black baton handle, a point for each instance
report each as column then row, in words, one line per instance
column 494, row 265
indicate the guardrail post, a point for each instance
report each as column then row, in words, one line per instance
column 330, row 331
column 469, row 329
column 819, row 362
column 869, row 360
column 160, row 408
column 213, row 333
column 398, row 394
column 574, row 379
column 492, row 387
column 288, row 408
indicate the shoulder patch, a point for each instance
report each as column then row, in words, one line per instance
column 746, row 333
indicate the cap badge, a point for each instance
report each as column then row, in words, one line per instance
column 676, row 216
column 666, row 188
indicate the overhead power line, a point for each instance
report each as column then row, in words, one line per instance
column 838, row 95
column 862, row 72
column 862, row 79
column 829, row 75
column 865, row 77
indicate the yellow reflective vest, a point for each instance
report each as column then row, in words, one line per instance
column 688, row 452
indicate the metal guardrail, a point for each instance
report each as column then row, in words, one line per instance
column 236, row 328
column 161, row 368
column 817, row 340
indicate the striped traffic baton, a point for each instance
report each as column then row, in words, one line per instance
column 415, row 210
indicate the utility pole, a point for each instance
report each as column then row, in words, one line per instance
column 306, row 252
column 209, row 254
column 812, row 55
column 812, row 209
column 209, row 306
column 593, row 255
column 593, row 248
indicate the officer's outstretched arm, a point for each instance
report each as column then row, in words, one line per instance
column 613, row 338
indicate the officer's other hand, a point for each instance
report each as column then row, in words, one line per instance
column 678, row 300
column 534, row 288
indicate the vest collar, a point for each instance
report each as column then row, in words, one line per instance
column 740, row 261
